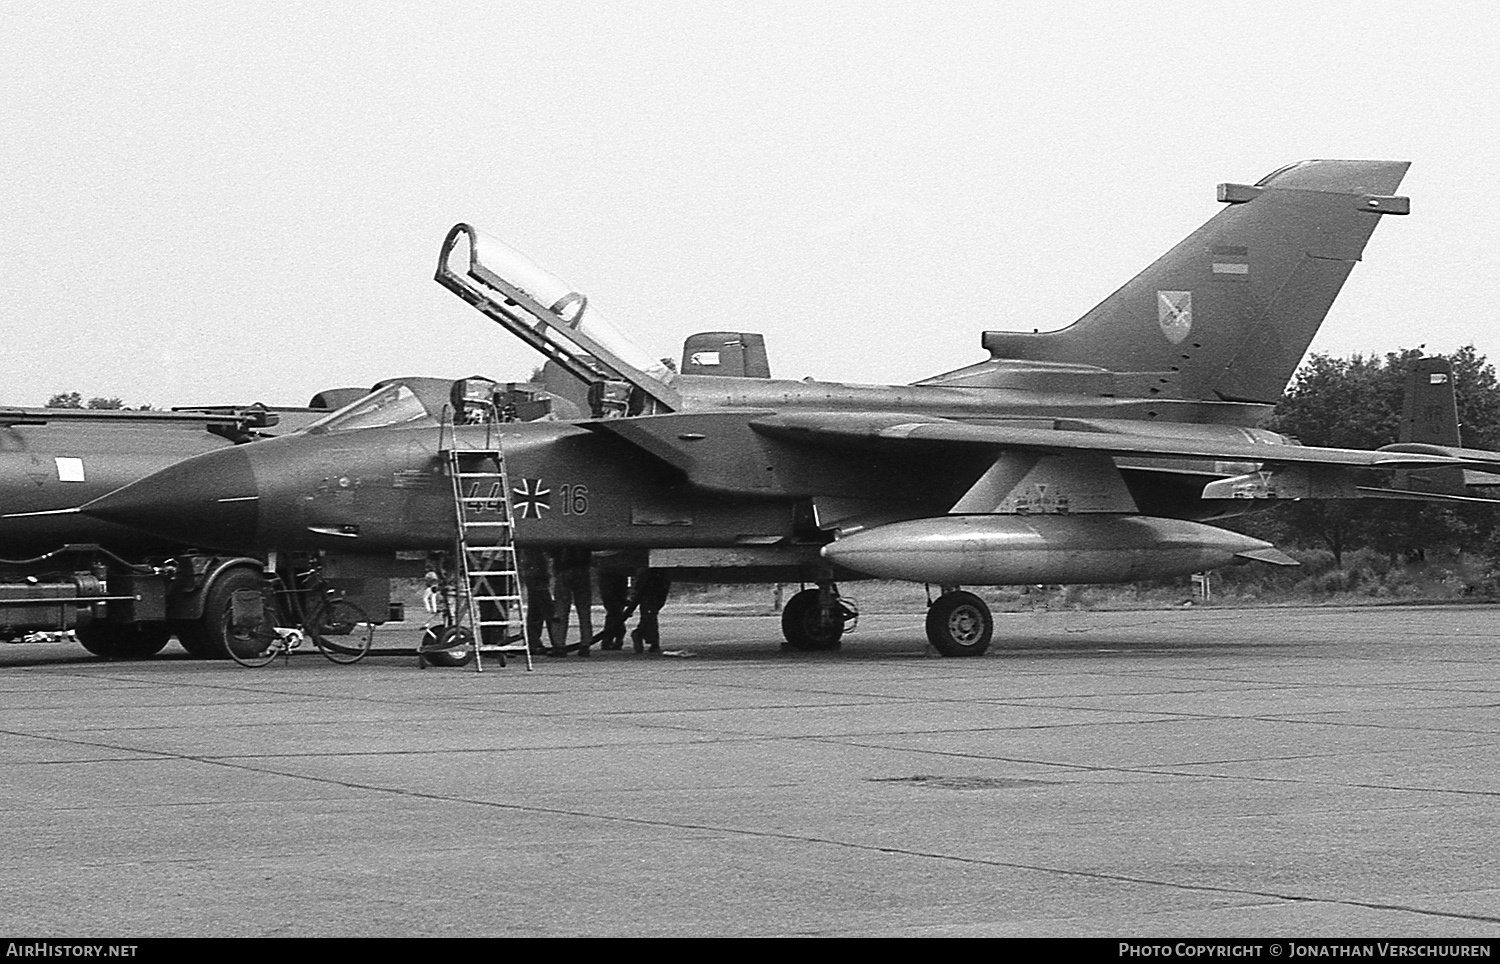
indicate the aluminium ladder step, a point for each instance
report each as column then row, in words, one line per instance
column 479, row 580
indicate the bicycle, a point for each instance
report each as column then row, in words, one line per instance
column 256, row 629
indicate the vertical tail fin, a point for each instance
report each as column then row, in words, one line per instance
column 737, row 354
column 1228, row 312
column 1429, row 415
column 1429, row 410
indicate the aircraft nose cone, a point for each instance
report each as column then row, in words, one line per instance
column 210, row 501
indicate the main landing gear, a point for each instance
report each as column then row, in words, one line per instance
column 959, row 623
column 815, row 619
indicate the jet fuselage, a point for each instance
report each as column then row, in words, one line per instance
column 46, row 469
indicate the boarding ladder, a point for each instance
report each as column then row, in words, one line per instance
column 490, row 608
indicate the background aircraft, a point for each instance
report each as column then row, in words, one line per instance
column 123, row 592
column 1090, row 454
column 1429, row 425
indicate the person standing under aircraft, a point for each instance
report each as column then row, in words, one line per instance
column 572, row 587
column 535, row 573
column 614, row 595
column 650, row 594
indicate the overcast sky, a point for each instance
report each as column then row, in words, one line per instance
column 241, row 202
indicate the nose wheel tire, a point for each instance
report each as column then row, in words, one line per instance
column 447, row 646
column 959, row 624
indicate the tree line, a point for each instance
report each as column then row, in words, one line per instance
column 75, row 400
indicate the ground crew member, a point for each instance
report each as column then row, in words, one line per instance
column 614, row 594
column 536, row 579
column 650, row 594
column 572, row 587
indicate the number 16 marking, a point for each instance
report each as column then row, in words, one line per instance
column 575, row 499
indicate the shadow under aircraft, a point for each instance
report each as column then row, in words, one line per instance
column 1097, row 453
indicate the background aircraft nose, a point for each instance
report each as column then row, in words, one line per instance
column 209, row 501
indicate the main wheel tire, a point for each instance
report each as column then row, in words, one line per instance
column 209, row 640
column 960, row 624
column 803, row 625
column 447, row 646
column 341, row 631
column 123, row 641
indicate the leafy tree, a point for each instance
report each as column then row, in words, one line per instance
column 75, row 400
column 1345, row 403
column 1478, row 396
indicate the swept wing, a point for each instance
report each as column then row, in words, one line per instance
column 885, row 428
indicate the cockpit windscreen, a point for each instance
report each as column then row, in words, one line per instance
column 393, row 404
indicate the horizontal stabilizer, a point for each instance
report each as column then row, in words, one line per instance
column 1476, row 458
column 1413, row 495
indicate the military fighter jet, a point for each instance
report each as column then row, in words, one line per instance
column 1090, row 454
column 112, row 585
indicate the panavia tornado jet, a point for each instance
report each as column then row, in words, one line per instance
column 1092, row 454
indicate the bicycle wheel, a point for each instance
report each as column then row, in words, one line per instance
column 251, row 641
column 341, row 631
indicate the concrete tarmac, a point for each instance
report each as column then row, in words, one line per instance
column 1274, row 772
